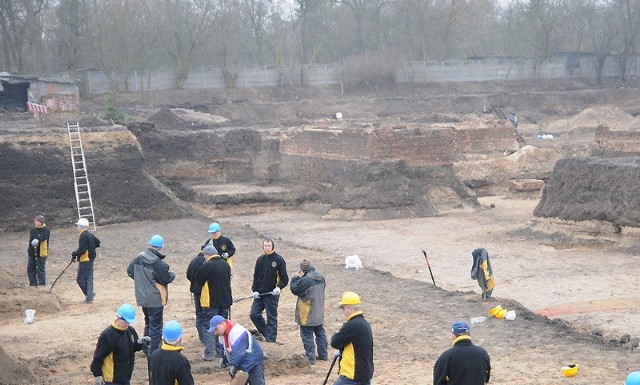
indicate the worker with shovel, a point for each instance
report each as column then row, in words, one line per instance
column 114, row 355
column 85, row 254
column 354, row 340
column 242, row 351
column 464, row 363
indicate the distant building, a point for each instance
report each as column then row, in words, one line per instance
column 59, row 94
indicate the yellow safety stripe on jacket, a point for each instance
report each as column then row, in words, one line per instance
column 107, row 368
column 44, row 249
column 205, row 299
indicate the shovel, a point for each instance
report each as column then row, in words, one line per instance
column 335, row 357
column 54, row 282
column 241, row 378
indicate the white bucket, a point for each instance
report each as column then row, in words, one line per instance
column 30, row 316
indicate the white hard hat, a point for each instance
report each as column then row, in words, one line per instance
column 83, row 222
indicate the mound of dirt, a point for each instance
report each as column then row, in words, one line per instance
column 13, row 372
column 165, row 119
column 590, row 119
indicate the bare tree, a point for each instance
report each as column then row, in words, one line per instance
column 186, row 27
column 69, row 35
column 628, row 22
column 12, row 28
column 33, row 20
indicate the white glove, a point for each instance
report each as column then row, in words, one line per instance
column 276, row 291
column 336, row 353
column 98, row 381
column 224, row 255
column 255, row 295
column 35, row 242
column 146, row 340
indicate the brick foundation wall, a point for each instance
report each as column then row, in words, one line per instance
column 620, row 143
column 418, row 145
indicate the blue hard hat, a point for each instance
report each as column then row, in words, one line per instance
column 156, row 241
column 214, row 227
column 127, row 312
column 633, row 378
column 172, row 331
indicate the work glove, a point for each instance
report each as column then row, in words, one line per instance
column 73, row 256
column 98, row 381
column 224, row 255
column 276, row 291
column 255, row 295
column 145, row 341
column 232, row 371
column 35, row 242
column 336, row 354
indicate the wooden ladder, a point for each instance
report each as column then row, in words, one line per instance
column 80, row 177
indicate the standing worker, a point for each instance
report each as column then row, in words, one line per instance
column 269, row 278
column 85, row 255
column 309, row 285
column 243, row 353
column 114, row 355
column 167, row 365
column 481, row 270
column 464, row 363
column 37, row 251
column 223, row 244
column 214, row 278
column 354, row 340
column 195, row 289
column 151, row 277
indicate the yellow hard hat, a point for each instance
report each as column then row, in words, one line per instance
column 570, row 370
column 349, row 298
column 501, row 314
column 495, row 310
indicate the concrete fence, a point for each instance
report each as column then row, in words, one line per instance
column 561, row 66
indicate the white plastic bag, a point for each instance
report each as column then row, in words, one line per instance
column 30, row 316
column 353, row 262
column 511, row 315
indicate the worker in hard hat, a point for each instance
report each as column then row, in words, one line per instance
column 354, row 342
column 114, row 356
column 151, row 277
column 37, row 252
column 214, row 278
column 225, row 247
column 167, row 365
column 463, row 363
column 85, row 254
column 242, row 351
column 269, row 278
column 482, row 272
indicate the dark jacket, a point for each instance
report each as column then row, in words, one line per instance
column 151, row 277
column 222, row 244
column 462, row 364
column 355, row 342
column 169, row 367
column 310, row 304
column 87, row 244
column 192, row 273
column 115, row 353
column 40, row 233
column 270, row 271
column 214, row 278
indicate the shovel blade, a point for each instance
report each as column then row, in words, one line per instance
column 241, row 378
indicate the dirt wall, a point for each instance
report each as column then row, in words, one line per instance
column 593, row 189
column 609, row 142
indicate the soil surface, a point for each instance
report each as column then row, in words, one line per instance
column 574, row 286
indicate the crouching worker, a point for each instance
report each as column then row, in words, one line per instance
column 115, row 351
column 167, row 366
column 242, row 351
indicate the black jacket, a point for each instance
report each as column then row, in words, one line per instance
column 42, row 235
column 169, row 367
column 120, row 345
column 214, row 277
column 462, row 364
column 192, row 273
column 270, row 271
column 87, row 244
column 355, row 342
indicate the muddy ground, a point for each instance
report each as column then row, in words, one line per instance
column 574, row 287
